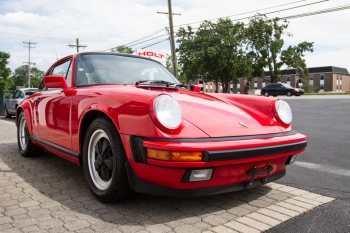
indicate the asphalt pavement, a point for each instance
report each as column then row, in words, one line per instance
column 325, row 166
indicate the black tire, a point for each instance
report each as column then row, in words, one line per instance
column 7, row 114
column 266, row 94
column 25, row 144
column 289, row 94
column 105, row 172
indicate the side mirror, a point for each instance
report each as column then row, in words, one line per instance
column 195, row 88
column 55, row 81
column 7, row 97
column 58, row 81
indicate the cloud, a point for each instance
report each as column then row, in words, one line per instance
column 100, row 25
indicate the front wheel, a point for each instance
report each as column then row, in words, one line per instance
column 266, row 94
column 7, row 114
column 25, row 145
column 104, row 162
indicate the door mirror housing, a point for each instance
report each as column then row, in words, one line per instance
column 7, row 97
column 195, row 88
column 58, row 81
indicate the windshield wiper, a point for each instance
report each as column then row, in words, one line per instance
column 157, row 82
column 161, row 82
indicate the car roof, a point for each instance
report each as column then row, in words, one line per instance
column 28, row 89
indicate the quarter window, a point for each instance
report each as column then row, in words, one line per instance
column 65, row 70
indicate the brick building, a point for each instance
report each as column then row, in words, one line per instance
column 322, row 79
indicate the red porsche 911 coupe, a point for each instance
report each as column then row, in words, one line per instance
column 133, row 127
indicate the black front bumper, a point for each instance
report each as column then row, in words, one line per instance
column 142, row 186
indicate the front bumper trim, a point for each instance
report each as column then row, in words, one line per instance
column 142, row 186
column 210, row 156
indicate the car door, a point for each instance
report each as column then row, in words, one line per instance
column 270, row 89
column 280, row 90
column 53, row 109
column 13, row 102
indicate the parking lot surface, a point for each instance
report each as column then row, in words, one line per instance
column 49, row 194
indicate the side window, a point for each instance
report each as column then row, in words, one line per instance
column 65, row 70
column 16, row 95
column 21, row 95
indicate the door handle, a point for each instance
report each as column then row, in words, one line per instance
column 37, row 100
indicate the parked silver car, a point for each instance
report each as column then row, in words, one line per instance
column 11, row 102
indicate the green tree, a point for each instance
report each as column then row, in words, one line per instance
column 169, row 64
column 215, row 52
column 4, row 71
column 6, row 84
column 169, row 67
column 266, row 48
column 122, row 49
column 20, row 76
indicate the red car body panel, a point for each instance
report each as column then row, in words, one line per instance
column 56, row 117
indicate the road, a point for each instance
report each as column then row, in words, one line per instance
column 325, row 167
column 47, row 193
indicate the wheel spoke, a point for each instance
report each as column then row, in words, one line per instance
column 98, row 147
column 109, row 163
column 97, row 166
column 104, row 173
column 105, row 147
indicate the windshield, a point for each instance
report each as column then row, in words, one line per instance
column 286, row 85
column 113, row 69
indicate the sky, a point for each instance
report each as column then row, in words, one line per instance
column 104, row 24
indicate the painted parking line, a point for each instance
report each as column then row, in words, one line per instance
column 47, row 193
column 323, row 168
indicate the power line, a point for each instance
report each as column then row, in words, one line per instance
column 148, row 35
column 145, row 37
column 271, row 12
column 242, row 13
column 254, row 11
column 344, row 7
column 328, row 10
column 147, row 40
column 154, row 43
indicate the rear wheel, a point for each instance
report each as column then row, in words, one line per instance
column 25, row 145
column 289, row 94
column 266, row 94
column 104, row 162
column 7, row 114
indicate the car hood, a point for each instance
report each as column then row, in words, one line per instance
column 220, row 118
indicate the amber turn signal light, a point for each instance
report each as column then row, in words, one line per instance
column 175, row 156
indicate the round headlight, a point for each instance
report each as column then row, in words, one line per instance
column 283, row 111
column 168, row 111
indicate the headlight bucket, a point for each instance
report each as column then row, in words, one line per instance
column 166, row 113
column 282, row 112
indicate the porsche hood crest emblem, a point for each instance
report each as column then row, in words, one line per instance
column 243, row 124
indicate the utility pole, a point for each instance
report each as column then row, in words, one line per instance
column 77, row 45
column 29, row 47
column 172, row 40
